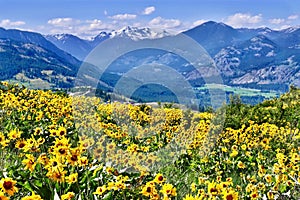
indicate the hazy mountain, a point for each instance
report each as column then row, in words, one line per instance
column 213, row 36
column 80, row 48
column 71, row 44
column 37, row 39
column 257, row 58
column 28, row 62
column 238, row 53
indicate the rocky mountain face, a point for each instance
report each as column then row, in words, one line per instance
column 76, row 46
column 253, row 58
column 80, row 48
column 28, row 57
column 27, row 62
column 245, row 57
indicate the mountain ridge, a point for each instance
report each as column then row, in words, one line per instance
column 246, row 57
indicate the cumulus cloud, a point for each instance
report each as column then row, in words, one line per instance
column 149, row 10
column 82, row 28
column 9, row 23
column 293, row 17
column 199, row 22
column 284, row 27
column 125, row 16
column 277, row 21
column 243, row 20
column 160, row 22
column 95, row 24
column 61, row 22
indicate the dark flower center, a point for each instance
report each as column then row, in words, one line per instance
column 74, row 158
column 62, row 151
column 7, row 185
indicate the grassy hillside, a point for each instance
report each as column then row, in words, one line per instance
column 55, row 146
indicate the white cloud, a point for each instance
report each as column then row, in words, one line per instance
column 95, row 24
column 243, row 20
column 276, row 21
column 105, row 12
column 284, row 27
column 149, row 10
column 199, row 22
column 293, row 17
column 62, row 22
column 123, row 16
column 9, row 23
column 160, row 22
column 82, row 28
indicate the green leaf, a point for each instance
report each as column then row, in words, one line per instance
column 107, row 196
column 38, row 183
column 26, row 185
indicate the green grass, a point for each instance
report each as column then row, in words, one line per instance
column 241, row 91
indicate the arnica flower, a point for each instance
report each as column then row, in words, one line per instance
column 234, row 148
column 244, row 147
column 2, row 196
column 149, row 189
column 241, row 165
column 112, row 186
column 229, row 179
column 193, row 187
column 100, row 190
column 3, row 142
column 57, row 175
column 230, row 195
column 83, row 161
column 29, row 162
column 190, row 197
column 168, row 189
column 61, row 151
column 159, row 178
column 212, row 189
column 68, row 196
column 37, row 131
column 268, row 178
column 73, row 157
column 270, row 195
column 120, row 185
column 8, row 186
column 20, row 144
column 14, row 134
column 72, row 178
column 43, row 159
column 254, row 195
column 62, row 131
column 234, row 153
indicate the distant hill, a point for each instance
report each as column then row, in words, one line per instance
column 27, row 62
column 263, row 59
column 258, row 58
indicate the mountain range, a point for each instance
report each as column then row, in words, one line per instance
column 80, row 48
column 259, row 58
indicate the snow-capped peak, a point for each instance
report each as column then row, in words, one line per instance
column 60, row 36
column 291, row 29
column 264, row 30
column 136, row 33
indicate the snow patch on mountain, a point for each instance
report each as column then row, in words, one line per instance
column 136, row 33
column 227, row 60
column 34, row 47
column 271, row 54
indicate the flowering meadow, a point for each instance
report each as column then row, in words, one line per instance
column 57, row 146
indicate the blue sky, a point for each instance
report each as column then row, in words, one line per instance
column 86, row 18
